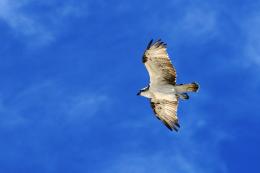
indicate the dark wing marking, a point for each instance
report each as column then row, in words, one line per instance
column 158, row 64
column 166, row 111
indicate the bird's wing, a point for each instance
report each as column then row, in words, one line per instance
column 158, row 64
column 166, row 111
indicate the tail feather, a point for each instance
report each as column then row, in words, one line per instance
column 192, row 87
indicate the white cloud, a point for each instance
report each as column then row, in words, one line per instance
column 167, row 161
column 40, row 28
column 198, row 22
column 184, row 152
column 251, row 27
column 85, row 106
column 193, row 22
column 185, row 156
column 9, row 117
column 48, row 101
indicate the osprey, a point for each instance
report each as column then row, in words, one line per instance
column 163, row 92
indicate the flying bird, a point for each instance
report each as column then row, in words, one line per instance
column 162, row 91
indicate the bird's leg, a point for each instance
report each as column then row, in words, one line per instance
column 183, row 96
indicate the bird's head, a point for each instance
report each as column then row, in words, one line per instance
column 144, row 92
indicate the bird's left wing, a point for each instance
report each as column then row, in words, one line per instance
column 158, row 64
column 166, row 111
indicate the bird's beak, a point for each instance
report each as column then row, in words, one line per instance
column 138, row 93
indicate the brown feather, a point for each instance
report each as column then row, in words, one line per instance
column 182, row 88
column 166, row 111
column 158, row 64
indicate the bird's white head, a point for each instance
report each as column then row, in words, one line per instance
column 145, row 92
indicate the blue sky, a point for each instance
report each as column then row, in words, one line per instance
column 70, row 71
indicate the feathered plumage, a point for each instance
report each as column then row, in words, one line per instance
column 163, row 91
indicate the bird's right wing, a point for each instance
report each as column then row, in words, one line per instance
column 166, row 111
column 158, row 64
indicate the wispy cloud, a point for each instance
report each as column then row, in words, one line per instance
column 37, row 26
column 9, row 117
column 194, row 149
column 251, row 27
column 86, row 105
column 198, row 22
column 186, row 156
column 195, row 22
column 47, row 101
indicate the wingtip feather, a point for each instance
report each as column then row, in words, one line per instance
column 178, row 125
column 173, row 126
column 156, row 44
column 167, row 125
column 149, row 44
column 196, row 86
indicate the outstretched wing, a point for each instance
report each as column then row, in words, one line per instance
column 158, row 64
column 166, row 111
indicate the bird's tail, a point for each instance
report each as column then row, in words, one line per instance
column 183, row 88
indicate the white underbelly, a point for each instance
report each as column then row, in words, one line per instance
column 166, row 96
column 166, row 92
